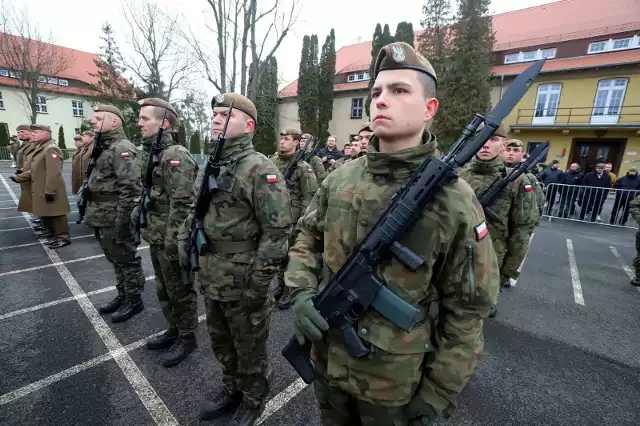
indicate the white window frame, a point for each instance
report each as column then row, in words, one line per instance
column 41, row 105
column 547, row 102
column 1, row 101
column 530, row 55
column 62, row 82
column 608, row 101
column 77, row 108
column 602, row 46
column 42, row 79
column 14, row 74
column 4, row 72
column 357, row 110
column 359, row 76
column 52, row 80
column 77, row 130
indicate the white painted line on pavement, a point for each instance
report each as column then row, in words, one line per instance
column 25, row 227
column 60, row 263
column 281, row 399
column 60, row 301
column 47, row 381
column 575, row 277
column 141, row 385
column 35, row 244
column 626, row 268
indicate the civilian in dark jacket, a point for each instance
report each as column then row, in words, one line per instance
column 626, row 190
column 330, row 154
column 570, row 181
column 594, row 197
column 551, row 174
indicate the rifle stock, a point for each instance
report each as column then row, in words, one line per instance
column 354, row 288
column 291, row 167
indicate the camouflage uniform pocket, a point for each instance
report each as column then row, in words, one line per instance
column 392, row 371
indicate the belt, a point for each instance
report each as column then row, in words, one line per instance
column 101, row 198
column 230, row 247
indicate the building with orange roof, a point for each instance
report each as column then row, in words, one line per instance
column 586, row 101
column 64, row 99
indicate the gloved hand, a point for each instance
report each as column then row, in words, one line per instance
column 420, row 413
column 13, row 178
column 307, row 321
column 135, row 218
column 18, row 171
column 49, row 197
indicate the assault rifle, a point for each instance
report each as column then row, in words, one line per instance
column 147, row 183
column 354, row 289
column 98, row 147
column 197, row 244
column 489, row 195
column 294, row 162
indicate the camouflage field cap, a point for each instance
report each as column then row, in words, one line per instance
column 366, row 128
column 41, row 127
column 514, row 143
column 240, row 102
column 401, row 56
column 77, row 138
column 156, row 102
column 23, row 127
column 307, row 136
column 109, row 108
column 291, row 131
column 88, row 133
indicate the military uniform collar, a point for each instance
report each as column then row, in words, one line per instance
column 165, row 141
column 486, row 167
column 235, row 147
column 112, row 135
column 402, row 163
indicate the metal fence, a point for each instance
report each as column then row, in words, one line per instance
column 589, row 204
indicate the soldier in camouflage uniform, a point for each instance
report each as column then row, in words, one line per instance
column 13, row 149
column 174, row 172
column 247, row 227
column 410, row 377
column 311, row 157
column 515, row 207
column 512, row 156
column 113, row 187
column 301, row 190
column 634, row 211
column 365, row 134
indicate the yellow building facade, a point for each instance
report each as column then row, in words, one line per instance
column 585, row 114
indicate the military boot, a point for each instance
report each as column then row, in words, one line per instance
column 44, row 234
column 635, row 282
column 163, row 341
column 182, row 347
column 130, row 307
column 112, row 306
column 285, row 300
column 58, row 243
column 224, row 402
column 493, row 312
column 246, row 415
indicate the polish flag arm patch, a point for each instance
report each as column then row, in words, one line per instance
column 272, row 178
column 528, row 188
column 124, row 154
column 481, row 231
column 310, row 171
column 54, row 156
column 174, row 163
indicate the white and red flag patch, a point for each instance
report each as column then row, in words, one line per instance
column 272, row 178
column 124, row 154
column 174, row 163
column 481, row 230
column 528, row 188
column 54, row 155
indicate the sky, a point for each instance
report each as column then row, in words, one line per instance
column 76, row 23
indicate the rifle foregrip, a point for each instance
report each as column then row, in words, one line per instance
column 299, row 356
column 193, row 261
column 137, row 238
column 352, row 341
column 186, row 276
column 491, row 214
column 396, row 310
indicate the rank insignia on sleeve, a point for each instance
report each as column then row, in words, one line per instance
column 272, row 178
column 481, row 231
column 528, row 188
column 174, row 163
column 124, row 154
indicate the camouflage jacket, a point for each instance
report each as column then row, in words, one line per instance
column 516, row 208
column 338, row 163
column 634, row 209
column 537, row 189
column 316, row 164
column 247, row 226
column 114, row 184
column 304, row 182
column 14, row 147
column 172, row 178
column 460, row 273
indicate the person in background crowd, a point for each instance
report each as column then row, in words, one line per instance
column 551, row 175
column 572, row 179
column 330, row 154
column 627, row 189
column 592, row 199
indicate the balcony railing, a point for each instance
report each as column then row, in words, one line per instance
column 581, row 116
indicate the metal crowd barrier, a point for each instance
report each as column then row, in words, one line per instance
column 589, row 204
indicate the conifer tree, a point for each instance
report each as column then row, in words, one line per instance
column 327, row 72
column 266, row 102
column 194, row 145
column 61, row 143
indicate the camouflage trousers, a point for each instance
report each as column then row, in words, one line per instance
column 239, row 331
column 179, row 303
column 125, row 260
column 636, row 261
column 283, row 268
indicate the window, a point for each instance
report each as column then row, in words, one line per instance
column 78, row 110
column 547, row 102
column 1, row 101
column 77, row 130
column 4, row 73
column 42, row 79
column 62, row 82
column 531, row 145
column 41, row 105
column 361, row 76
column 608, row 103
column 15, row 74
column 530, row 55
column 357, row 105
column 52, row 80
column 614, row 44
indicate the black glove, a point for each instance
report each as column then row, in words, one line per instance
column 18, row 171
column 49, row 197
column 13, row 178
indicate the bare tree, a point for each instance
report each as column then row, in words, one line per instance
column 160, row 62
column 194, row 113
column 34, row 63
column 237, row 24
